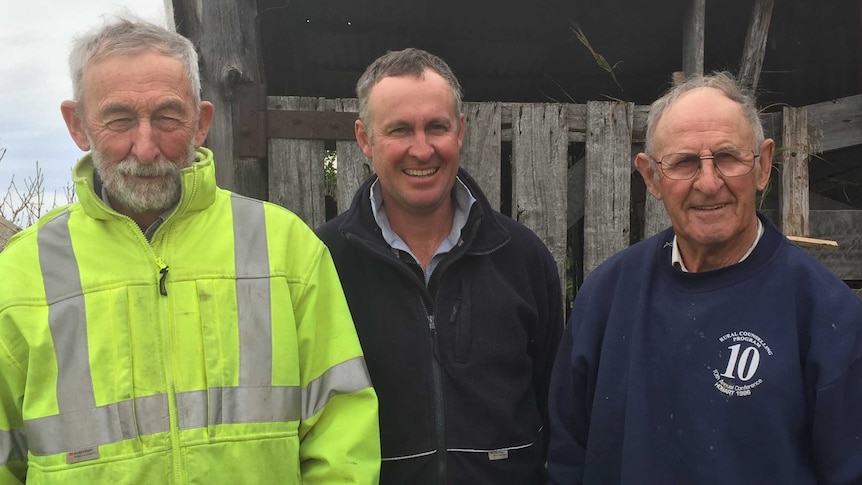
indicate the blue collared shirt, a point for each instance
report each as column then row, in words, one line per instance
column 463, row 202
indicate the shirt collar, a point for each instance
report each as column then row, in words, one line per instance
column 151, row 229
column 463, row 202
column 676, row 257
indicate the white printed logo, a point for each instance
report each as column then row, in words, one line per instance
column 746, row 351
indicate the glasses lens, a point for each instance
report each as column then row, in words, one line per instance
column 680, row 166
column 733, row 163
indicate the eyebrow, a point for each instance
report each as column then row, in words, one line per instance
column 120, row 108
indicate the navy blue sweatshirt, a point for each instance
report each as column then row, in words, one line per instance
column 747, row 374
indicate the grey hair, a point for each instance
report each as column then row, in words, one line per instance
column 126, row 36
column 410, row 61
column 724, row 82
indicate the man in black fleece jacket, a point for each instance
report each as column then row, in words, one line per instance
column 458, row 308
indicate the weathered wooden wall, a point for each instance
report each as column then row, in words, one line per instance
column 7, row 229
column 550, row 192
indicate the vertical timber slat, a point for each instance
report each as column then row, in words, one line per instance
column 482, row 148
column 607, row 214
column 692, row 38
column 754, row 49
column 296, row 175
column 794, row 172
column 353, row 166
column 539, row 159
column 226, row 34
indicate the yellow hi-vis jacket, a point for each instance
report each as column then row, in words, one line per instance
column 221, row 352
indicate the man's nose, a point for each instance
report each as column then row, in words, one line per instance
column 145, row 145
column 708, row 178
column 420, row 148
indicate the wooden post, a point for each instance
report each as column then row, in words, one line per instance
column 7, row 230
column 353, row 166
column 296, row 172
column 794, row 172
column 482, row 147
column 225, row 32
column 607, row 218
column 755, row 43
column 692, row 38
column 539, row 157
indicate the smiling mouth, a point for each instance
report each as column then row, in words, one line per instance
column 415, row 172
column 709, row 207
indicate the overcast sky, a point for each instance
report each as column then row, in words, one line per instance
column 35, row 39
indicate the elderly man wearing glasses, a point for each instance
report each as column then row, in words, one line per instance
column 716, row 351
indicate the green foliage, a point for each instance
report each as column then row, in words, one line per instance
column 330, row 168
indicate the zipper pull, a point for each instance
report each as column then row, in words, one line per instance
column 431, row 324
column 164, row 272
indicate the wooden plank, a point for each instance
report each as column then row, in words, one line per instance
column 810, row 242
column 845, row 227
column 576, row 122
column 296, row 175
column 655, row 216
column 608, row 181
column 7, row 230
column 353, row 166
column 755, row 43
column 793, row 201
column 482, row 148
column 692, row 38
column 539, row 158
column 836, row 124
column 226, row 35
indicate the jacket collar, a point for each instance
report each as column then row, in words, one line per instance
column 481, row 234
column 198, row 187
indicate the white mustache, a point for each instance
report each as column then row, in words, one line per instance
column 159, row 168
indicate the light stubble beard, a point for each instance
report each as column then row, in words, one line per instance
column 155, row 196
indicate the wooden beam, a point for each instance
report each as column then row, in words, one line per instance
column 844, row 227
column 836, row 124
column 793, row 203
column 539, row 158
column 607, row 201
column 755, row 43
column 692, row 38
column 225, row 32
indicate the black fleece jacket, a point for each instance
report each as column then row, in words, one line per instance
column 461, row 366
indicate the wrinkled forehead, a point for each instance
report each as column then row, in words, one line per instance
column 703, row 112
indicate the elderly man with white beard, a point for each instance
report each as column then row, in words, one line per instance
column 161, row 329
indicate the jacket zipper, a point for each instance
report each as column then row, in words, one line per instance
column 439, row 421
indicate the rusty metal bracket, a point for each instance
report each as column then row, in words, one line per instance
column 255, row 124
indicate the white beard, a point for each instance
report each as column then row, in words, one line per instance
column 154, row 196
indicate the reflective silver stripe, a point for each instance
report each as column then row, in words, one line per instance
column 13, row 446
column 77, row 430
column 66, row 316
column 233, row 405
column 115, row 422
column 252, row 292
column 192, row 409
column 344, row 378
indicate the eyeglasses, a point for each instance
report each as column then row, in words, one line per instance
column 729, row 163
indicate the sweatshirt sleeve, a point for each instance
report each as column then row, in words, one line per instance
column 339, row 432
column 836, row 360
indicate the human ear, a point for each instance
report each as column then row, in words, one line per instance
column 648, row 171
column 767, row 150
column 75, row 124
column 362, row 138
